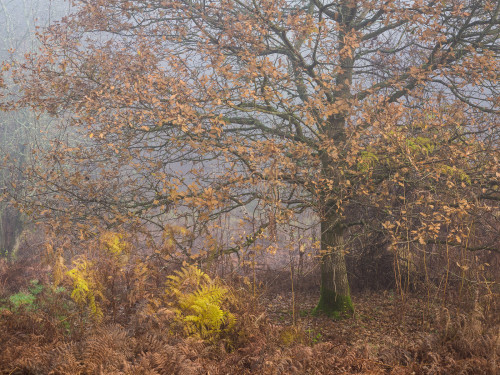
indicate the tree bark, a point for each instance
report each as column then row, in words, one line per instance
column 335, row 298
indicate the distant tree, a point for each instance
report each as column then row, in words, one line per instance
column 19, row 129
column 17, row 31
column 373, row 114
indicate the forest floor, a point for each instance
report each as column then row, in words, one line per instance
column 380, row 318
column 388, row 334
column 410, row 334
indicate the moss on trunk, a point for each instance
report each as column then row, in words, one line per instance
column 333, row 305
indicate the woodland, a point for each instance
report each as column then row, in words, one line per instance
column 249, row 187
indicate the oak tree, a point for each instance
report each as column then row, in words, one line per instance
column 378, row 114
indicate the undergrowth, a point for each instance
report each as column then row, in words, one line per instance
column 155, row 320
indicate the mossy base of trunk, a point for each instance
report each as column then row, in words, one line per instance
column 333, row 305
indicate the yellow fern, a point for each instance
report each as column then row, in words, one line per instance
column 85, row 287
column 197, row 302
column 115, row 244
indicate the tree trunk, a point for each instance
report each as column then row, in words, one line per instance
column 335, row 298
column 11, row 228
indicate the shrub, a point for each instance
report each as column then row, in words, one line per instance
column 26, row 300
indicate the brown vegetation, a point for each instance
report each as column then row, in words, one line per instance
column 390, row 333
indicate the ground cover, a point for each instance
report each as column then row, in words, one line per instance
column 45, row 333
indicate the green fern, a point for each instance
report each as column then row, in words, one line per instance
column 197, row 303
column 27, row 300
